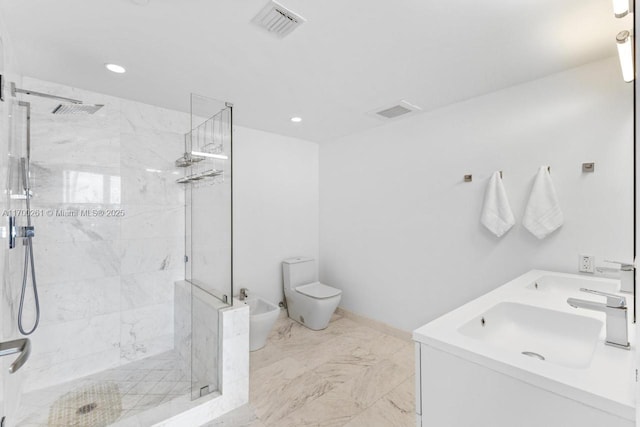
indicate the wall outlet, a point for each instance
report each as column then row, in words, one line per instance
column 586, row 263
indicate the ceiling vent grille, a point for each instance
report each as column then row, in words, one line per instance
column 393, row 112
column 277, row 19
column 400, row 109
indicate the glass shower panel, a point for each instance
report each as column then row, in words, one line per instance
column 209, row 208
column 208, row 234
column 13, row 148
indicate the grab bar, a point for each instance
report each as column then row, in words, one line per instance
column 22, row 346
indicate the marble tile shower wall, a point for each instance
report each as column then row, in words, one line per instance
column 105, row 282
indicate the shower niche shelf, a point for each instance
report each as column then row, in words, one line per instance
column 204, row 159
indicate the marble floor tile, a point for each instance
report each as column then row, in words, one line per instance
column 349, row 328
column 265, row 357
column 333, row 409
column 373, row 383
column 292, row 341
column 346, row 375
column 403, row 396
column 396, row 409
column 386, row 346
column 405, row 359
column 276, row 375
column 343, row 367
column 332, row 349
column 291, row 396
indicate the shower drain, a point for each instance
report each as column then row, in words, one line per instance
column 95, row 404
column 533, row 354
column 85, row 409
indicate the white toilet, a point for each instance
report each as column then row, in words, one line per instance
column 309, row 302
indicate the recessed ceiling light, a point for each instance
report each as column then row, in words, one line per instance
column 296, row 119
column 115, row 68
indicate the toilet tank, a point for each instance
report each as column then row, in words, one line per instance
column 298, row 271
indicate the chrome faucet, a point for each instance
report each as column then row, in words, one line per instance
column 626, row 271
column 244, row 293
column 616, row 310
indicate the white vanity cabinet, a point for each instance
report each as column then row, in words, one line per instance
column 454, row 392
column 522, row 356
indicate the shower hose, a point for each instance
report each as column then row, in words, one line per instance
column 28, row 259
column 28, row 262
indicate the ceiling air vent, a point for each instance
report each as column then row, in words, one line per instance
column 277, row 19
column 399, row 109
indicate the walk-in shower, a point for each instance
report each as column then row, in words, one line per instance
column 112, row 236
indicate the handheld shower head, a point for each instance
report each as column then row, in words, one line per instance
column 77, row 108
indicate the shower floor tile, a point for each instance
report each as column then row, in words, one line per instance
column 108, row 396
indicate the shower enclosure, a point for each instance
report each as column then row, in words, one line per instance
column 105, row 222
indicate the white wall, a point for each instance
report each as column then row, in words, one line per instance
column 275, row 207
column 400, row 231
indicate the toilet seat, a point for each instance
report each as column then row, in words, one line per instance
column 318, row 290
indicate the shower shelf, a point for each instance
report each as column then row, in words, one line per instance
column 199, row 176
column 204, row 153
column 188, row 160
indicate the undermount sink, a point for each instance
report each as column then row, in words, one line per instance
column 549, row 336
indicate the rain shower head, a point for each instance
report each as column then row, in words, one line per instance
column 73, row 106
column 77, row 108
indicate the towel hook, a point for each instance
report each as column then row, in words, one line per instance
column 588, row 167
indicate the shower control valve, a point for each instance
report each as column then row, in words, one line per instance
column 26, row 231
column 22, row 232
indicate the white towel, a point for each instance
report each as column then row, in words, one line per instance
column 543, row 215
column 496, row 212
